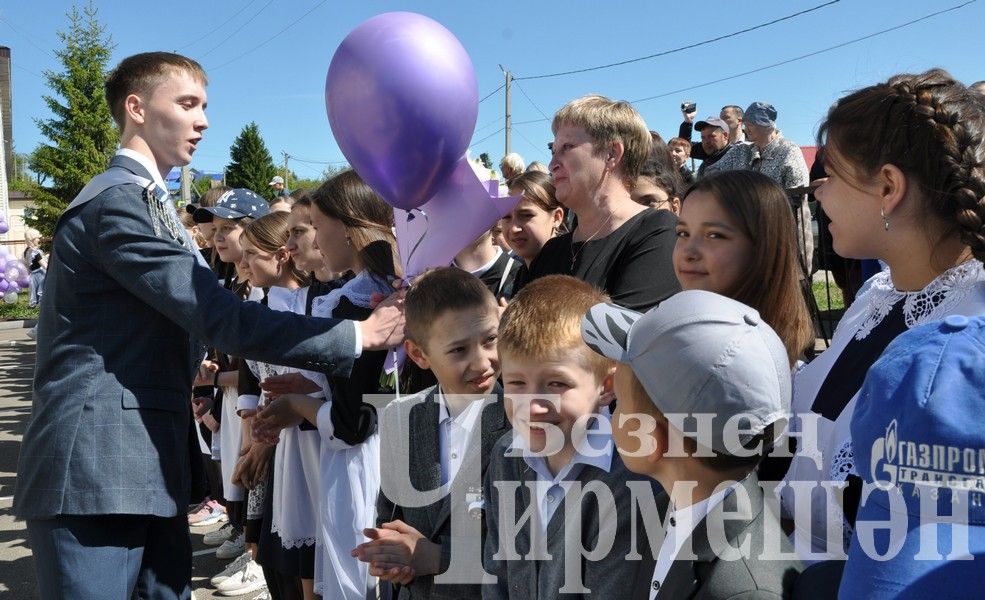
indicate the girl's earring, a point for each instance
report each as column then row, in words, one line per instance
column 348, row 241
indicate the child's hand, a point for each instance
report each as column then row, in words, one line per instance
column 276, row 415
column 206, row 373
column 397, row 545
column 201, row 406
column 398, row 575
column 288, row 383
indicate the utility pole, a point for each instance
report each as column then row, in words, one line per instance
column 287, row 176
column 509, row 100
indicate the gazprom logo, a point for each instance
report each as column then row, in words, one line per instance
column 891, row 438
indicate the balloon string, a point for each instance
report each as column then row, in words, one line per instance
column 420, row 240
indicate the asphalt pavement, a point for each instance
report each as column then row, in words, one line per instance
column 17, row 579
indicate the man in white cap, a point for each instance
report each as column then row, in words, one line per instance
column 278, row 184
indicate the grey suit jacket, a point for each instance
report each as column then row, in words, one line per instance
column 116, row 359
column 419, row 420
column 528, row 578
column 712, row 578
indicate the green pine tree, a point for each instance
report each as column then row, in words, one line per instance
column 252, row 166
column 81, row 134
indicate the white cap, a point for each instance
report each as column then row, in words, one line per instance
column 699, row 353
column 277, row 179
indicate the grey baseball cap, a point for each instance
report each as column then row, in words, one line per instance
column 699, row 353
column 712, row 122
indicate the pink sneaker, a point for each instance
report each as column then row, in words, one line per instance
column 203, row 511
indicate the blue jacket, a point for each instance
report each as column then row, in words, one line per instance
column 116, row 357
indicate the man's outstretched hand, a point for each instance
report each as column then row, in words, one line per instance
column 385, row 327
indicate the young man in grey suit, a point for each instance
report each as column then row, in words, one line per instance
column 103, row 475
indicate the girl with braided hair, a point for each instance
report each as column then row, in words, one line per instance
column 905, row 185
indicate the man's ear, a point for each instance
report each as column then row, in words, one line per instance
column 133, row 106
column 416, row 354
column 615, row 154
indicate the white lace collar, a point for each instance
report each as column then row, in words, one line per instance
column 923, row 306
column 359, row 290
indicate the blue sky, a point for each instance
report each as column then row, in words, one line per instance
column 280, row 85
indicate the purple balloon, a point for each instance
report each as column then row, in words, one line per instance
column 402, row 101
column 461, row 210
column 4, row 285
column 4, row 228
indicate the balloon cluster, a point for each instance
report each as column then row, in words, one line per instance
column 14, row 276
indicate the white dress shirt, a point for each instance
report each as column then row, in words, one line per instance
column 680, row 525
column 455, row 435
column 549, row 489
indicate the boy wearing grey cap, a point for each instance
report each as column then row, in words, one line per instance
column 700, row 388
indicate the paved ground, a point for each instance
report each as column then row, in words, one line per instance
column 16, row 564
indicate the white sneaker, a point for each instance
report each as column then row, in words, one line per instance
column 233, row 567
column 264, row 595
column 250, row 579
column 219, row 536
column 232, row 547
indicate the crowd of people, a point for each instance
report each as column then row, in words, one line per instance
column 613, row 393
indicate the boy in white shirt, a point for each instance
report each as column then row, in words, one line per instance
column 438, row 441
column 559, row 506
column 701, row 363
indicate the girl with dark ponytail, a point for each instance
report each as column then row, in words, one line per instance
column 905, row 185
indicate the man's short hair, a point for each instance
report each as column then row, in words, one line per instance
column 141, row 74
column 734, row 108
column 543, row 321
column 681, row 142
column 607, row 121
column 438, row 291
column 513, row 162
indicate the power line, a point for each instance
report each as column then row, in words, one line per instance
column 531, row 121
column 526, row 139
column 532, row 103
column 803, row 56
column 489, row 124
column 319, row 162
column 218, row 27
column 498, row 131
column 238, row 29
column 271, row 38
column 490, row 94
column 27, row 37
column 682, row 48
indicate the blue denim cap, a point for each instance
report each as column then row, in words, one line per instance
column 918, row 430
column 760, row 113
column 234, row 204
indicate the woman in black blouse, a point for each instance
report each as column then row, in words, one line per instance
column 620, row 246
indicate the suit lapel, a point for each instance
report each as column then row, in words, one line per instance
column 685, row 576
column 425, row 457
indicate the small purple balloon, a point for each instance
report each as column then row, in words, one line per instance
column 4, row 228
column 402, row 101
column 4, row 285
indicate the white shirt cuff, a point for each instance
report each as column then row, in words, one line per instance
column 359, row 340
